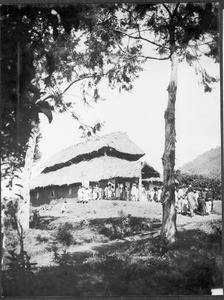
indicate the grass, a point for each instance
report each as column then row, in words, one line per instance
column 190, row 266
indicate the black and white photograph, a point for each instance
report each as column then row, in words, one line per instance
column 111, row 149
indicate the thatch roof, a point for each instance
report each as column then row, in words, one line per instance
column 94, row 170
column 118, row 141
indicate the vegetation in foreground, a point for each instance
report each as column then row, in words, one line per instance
column 190, row 266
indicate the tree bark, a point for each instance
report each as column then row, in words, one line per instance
column 169, row 229
column 24, row 203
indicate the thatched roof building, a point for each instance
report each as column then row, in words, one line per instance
column 110, row 157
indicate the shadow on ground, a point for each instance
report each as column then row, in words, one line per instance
column 190, row 266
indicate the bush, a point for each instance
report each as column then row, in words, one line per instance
column 63, row 259
column 42, row 239
column 124, row 225
column 116, row 228
column 64, row 234
column 19, row 275
column 217, row 227
column 19, row 262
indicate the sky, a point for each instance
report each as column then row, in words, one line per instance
column 140, row 113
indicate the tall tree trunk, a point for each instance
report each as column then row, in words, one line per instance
column 24, row 202
column 169, row 230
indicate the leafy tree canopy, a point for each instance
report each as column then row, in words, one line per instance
column 40, row 49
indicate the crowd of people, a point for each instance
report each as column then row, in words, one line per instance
column 194, row 200
column 85, row 194
column 188, row 200
column 120, row 192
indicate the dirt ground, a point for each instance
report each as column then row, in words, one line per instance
column 109, row 209
column 38, row 242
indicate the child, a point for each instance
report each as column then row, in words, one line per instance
column 63, row 208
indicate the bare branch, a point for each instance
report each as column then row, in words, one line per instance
column 73, row 82
column 156, row 58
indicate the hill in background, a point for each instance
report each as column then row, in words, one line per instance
column 207, row 164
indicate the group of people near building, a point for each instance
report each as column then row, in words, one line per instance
column 85, row 194
column 188, row 200
column 118, row 192
column 194, row 200
column 151, row 194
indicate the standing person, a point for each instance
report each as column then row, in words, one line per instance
column 155, row 196
column 208, row 202
column 210, row 198
column 152, row 194
column 95, row 193
column 90, row 190
column 109, row 192
column 122, row 191
column 137, row 193
column 126, row 194
column 148, row 195
column 144, row 196
column 117, row 193
column 86, row 195
column 80, row 194
column 113, row 191
column 201, row 204
column 134, row 192
column 106, row 192
column 191, row 201
column 100, row 193
column 159, row 194
column 196, row 199
column 180, row 199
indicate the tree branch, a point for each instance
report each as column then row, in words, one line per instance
column 140, row 37
column 68, row 87
column 167, row 9
column 156, row 58
column 175, row 10
column 73, row 82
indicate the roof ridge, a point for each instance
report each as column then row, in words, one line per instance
column 118, row 140
column 88, row 141
column 91, row 140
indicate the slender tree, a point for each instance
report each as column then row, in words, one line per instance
column 176, row 32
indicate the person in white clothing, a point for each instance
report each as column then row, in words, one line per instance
column 80, row 194
column 144, row 195
column 64, row 207
column 152, row 194
column 159, row 194
column 134, row 192
column 95, row 193
column 86, row 195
